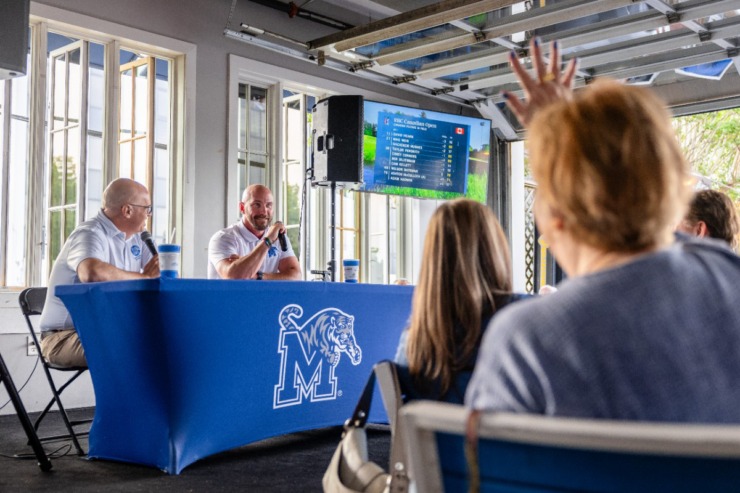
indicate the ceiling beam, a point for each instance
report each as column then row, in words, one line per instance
column 407, row 22
column 613, row 28
column 629, row 59
column 512, row 24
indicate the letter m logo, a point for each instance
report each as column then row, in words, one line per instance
column 303, row 374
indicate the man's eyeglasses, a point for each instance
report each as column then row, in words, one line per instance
column 147, row 207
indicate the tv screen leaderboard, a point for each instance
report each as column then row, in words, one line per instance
column 417, row 152
column 421, row 153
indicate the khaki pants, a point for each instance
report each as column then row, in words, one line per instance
column 63, row 348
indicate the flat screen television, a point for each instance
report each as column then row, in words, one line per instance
column 427, row 154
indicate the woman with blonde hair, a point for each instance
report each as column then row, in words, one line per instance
column 465, row 279
column 645, row 327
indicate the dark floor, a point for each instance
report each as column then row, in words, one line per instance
column 290, row 463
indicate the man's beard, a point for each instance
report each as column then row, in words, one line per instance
column 257, row 222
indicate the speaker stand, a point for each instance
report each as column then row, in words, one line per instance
column 333, row 230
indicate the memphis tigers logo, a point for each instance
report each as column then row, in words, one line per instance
column 310, row 352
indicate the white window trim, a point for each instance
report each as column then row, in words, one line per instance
column 183, row 130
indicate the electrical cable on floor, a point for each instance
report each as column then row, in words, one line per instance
column 56, row 454
column 24, row 383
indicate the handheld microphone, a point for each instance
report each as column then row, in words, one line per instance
column 283, row 242
column 146, row 237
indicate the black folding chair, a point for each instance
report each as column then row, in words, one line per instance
column 32, row 303
column 33, row 438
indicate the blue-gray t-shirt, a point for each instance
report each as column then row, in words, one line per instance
column 657, row 339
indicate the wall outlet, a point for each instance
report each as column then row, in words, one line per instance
column 31, row 349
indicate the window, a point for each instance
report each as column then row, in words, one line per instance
column 252, row 148
column 384, row 241
column 296, row 147
column 143, row 142
column 63, row 142
column 348, row 229
column 14, row 134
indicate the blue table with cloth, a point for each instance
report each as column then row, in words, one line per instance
column 185, row 368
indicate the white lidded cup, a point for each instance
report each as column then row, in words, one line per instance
column 169, row 260
column 351, row 270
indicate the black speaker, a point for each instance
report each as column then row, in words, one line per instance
column 13, row 38
column 337, row 140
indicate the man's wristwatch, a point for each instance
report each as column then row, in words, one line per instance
column 259, row 275
column 267, row 242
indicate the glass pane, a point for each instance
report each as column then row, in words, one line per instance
column 293, row 237
column 70, row 222
column 54, row 41
column 292, row 195
column 348, row 209
column 159, row 225
column 19, row 101
column 2, row 140
column 59, row 91
column 75, row 81
column 55, row 235
column 141, row 100
column 242, row 118
column 17, row 183
column 96, row 88
column 127, row 57
column 348, row 246
column 258, row 120
column 124, row 159
column 141, row 170
column 94, row 175
column 377, row 229
column 241, row 173
column 126, row 104
column 73, row 165
column 162, row 103
column 393, row 204
column 57, row 168
column 160, row 194
column 294, row 132
column 257, row 169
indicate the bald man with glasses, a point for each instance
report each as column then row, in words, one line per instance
column 105, row 248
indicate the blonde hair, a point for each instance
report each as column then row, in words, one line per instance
column 610, row 164
column 465, row 272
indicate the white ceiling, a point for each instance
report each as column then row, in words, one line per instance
column 458, row 49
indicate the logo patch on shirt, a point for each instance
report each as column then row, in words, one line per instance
column 272, row 251
column 136, row 251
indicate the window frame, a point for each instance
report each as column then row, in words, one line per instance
column 45, row 18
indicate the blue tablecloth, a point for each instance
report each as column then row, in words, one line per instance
column 185, row 368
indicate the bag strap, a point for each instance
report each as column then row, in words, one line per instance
column 390, row 389
column 471, row 450
column 362, row 409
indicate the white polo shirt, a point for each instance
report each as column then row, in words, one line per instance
column 96, row 238
column 237, row 239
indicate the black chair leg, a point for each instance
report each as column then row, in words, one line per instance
column 62, row 412
column 33, row 438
